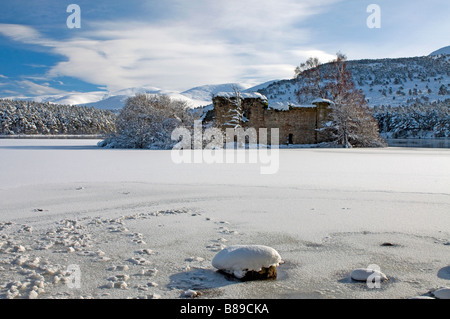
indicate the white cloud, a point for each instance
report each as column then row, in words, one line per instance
column 37, row 89
column 19, row 32
column 206, row 42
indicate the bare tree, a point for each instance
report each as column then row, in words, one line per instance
column 310, row 73
column 350, row 121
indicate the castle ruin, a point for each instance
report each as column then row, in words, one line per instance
column 296, row 124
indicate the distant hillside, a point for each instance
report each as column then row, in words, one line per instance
column 31, row 118
column 205, row 92
column 389, row 82
column 445, row 50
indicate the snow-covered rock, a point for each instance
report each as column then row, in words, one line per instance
column 444, row 50
column 443, row 293
column 362, row 274
column 191, row 294
column 238, row 260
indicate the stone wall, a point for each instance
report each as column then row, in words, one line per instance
column 296, row 126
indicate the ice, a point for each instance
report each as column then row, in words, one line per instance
column 326, row 211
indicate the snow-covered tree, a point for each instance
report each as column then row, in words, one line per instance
column 31, row 118
column 147, row 121
column 235, row 114
column 350, row 121
column 417, row 120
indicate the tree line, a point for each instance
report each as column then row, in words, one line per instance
column 418, row 120
column 34, row 118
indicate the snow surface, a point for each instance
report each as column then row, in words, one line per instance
column 134, row 219
column 239, row 259
column 252, row 95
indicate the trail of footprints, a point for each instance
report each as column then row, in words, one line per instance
column 33, row 264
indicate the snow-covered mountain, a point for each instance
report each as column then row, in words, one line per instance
column 115, row 100
column 72, row 98
column 393, row 82
column 445, row 50
column 195, row 97
column 205, row 92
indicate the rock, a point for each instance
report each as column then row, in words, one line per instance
column 123, row 277
column 122, row 267
column 443, row 293
column 193, row 259
column 121, row 285
column 362, row 274
column 110, row 285
column 19, row 249
column 248, row 262
column 20, row 260
column 264, row 273
column 56, row 280
column 103, row 258
column 139, row 261
column 116, row 284
column 119, row 268
column 146, row 251
column 10, row 294
column 39, row 284
column 33, row 294
column 191, row 294
column 24, row 286
column 149, row 272
column 421, row 297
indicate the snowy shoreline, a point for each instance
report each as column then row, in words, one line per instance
column 49, row 136
column 138, row 225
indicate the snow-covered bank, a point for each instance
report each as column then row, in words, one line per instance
column 327, row 212
column 50, row 136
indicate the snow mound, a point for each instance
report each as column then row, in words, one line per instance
column 239, row 259
column 443, row 293
column 363, row 274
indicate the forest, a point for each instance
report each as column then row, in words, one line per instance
column 34, row 118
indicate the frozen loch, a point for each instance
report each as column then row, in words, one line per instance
column 134, row 224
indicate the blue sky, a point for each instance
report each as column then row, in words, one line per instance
column 176, row 44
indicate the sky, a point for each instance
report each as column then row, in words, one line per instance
column 180, row 44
